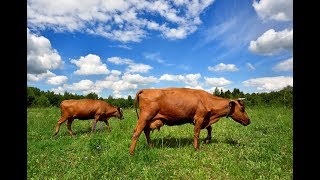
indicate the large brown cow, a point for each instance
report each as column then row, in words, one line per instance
column 84, row 109
column 176, row 106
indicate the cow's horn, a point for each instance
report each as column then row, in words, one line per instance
column 241, row 99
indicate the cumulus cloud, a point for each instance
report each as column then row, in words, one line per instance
column 132, row 66
column 82, row 85
column 114, row 82
column 272, row 42
column 189, row 79
column 268, row 84
column 114, row 75
column 216, row 82
column 40, row 54
column 119, row 20
column 90, row 64
column 57, row 80
column 223, row 67
column 142, row 68
column 280, row 10
column 38, row 77
column 286, row 65
column 138, row 79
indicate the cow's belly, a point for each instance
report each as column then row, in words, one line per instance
column 173, row 119
column 84, row 117
column 173, row 122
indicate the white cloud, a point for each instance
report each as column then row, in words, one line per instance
column 114, row 75
column 267, row 84
column 280, row 10
column 132, row 66
column 90, row 64
column 123, row 86
column 83, row 85
column 58, row 90
column 120, row 61
column 223, row 67
column 57, row 80
column 250, row 67
column 189, row 79
column 138, row 79
column 142, row 68
column 286, row 65
column 40, row 55
column 217, row 82
column 120, row 20
column 38, row 77
column 195, row 87
column 272, row 42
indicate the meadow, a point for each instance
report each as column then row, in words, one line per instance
column 261, row 150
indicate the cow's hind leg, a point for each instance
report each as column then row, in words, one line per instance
column 69, row 122
column 208, row 138
column 61, row 120
column 141, row 124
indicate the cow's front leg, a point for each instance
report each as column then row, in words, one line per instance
column 208, row 138
column 96, row 119
column 147, row 133
column 107, row 125
column 197, row 128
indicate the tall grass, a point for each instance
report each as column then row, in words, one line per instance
column 262, row 150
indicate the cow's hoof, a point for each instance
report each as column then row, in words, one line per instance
column 207, row 141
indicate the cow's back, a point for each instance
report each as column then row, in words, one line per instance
column 170, row 103
column 81, row 108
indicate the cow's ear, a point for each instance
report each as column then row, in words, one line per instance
column 232, row 103
column 241, row 102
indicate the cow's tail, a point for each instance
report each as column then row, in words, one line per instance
column 136, row 102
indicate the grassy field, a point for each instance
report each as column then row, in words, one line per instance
column 262, row 150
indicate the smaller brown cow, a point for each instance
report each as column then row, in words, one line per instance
column 85, row 109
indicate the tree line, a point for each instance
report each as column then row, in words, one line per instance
column 39, row 98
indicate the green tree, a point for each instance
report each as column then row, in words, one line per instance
column 41, row 101
column 216, row 92
column 53, row 98
column 30, row 96
column 92, row 95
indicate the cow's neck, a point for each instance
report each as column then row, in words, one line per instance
column 222, row 109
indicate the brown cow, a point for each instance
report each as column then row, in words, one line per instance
column 84, row 109
column 176, row 106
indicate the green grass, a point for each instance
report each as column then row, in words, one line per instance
column 262, row 150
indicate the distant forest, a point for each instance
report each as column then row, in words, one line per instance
column 38, row 98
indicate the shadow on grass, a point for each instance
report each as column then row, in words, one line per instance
column 86, row 131
column 173, row 142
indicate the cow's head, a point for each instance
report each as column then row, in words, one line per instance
column 237, row 111
column 119, row 113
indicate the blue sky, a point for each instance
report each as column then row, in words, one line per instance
column 118, row 47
